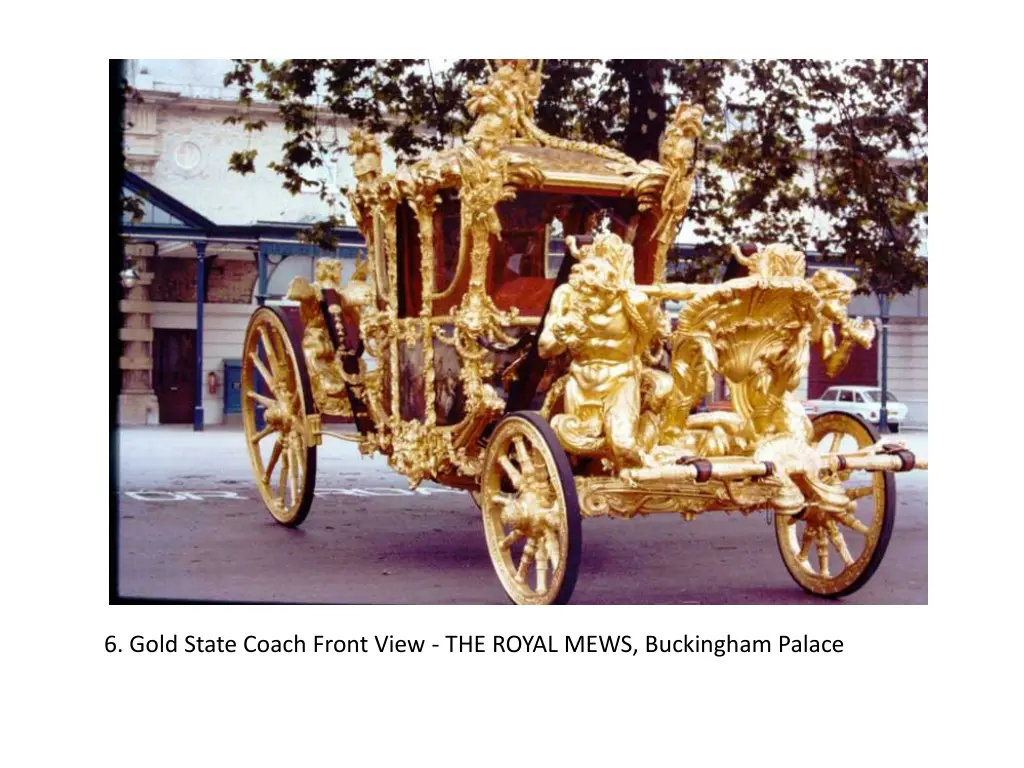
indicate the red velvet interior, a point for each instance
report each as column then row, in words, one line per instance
column 529, row 294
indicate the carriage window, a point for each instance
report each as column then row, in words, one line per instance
column 410, row 281
column 846, row 397
column 519, row 254
column 555, row 250
column 830, row 395
column 518, row 271
column 447, row 239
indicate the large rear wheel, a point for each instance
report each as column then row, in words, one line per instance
column 531, row 512
column 276, row 398
column 834, row 554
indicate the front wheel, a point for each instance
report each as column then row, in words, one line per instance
column 814, row 543
column 531, row 512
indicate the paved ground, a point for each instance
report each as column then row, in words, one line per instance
column 191, row 526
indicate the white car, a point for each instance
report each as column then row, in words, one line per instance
column 865, row 402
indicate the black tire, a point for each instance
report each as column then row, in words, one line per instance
column 567, row 485
column 885, row 491
column 297, row 513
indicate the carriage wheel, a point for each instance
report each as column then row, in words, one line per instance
column 832, row 554
column 531, row 512
column 275, row 386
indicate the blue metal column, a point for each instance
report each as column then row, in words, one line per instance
column 261, row 270
column 197, row 418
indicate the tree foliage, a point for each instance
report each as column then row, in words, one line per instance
column 819, row 154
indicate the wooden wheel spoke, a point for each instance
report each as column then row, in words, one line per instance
column 542, row 569
column 267, row 376
column 837, row 438
column 525, row 460
column 805, row 544
column 283, row 482
column 836, row 537
column 262, row 399
column 511, row 539
column 525, row 560
column 822, row 538
column 274, row 456
column 294, row 467
column 554, row 550
column 859, row 493
column 850, row 521
column 514, row 474
column 271, row 353
column 261, row 434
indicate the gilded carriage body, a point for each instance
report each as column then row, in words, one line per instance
column 467, row 354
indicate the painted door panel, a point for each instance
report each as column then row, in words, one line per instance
column 174, row 374
column 232, row 386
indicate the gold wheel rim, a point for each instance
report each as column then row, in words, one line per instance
column 827, row 552
column 524, row 513
column 278, row 452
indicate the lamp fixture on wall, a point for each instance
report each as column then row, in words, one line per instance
column 129, row 277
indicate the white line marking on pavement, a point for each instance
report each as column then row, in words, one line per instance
column 158, row 495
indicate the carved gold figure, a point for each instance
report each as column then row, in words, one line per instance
column 460, row 356
column 609, row 327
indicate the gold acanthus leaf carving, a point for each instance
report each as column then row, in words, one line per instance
column 366, row 152
column 610, row 496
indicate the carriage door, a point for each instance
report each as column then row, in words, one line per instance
column 174, row 374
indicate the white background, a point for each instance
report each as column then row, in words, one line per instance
column 914, row 684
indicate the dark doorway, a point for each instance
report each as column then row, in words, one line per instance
column 174, row 374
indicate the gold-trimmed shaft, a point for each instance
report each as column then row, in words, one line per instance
column 720, row 470
column 732, row 469
column 877, row 462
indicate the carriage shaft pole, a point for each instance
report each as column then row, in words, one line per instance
column 733, row 469
column 878, row 462
column 721, row 470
